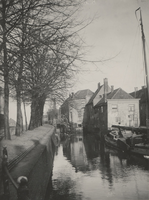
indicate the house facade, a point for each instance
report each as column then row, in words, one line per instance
column 117, row 108
column 73, row 107
column 142, row 95
column 89, row 119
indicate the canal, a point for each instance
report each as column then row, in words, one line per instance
column 86, row 170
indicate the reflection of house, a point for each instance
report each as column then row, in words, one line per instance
column 73, row 107
column 142, row 95
column 117, row 107
column 78, row 154
column 114, row 107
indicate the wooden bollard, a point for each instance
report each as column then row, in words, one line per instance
column 23, row 191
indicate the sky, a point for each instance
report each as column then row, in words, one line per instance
column 113, row 39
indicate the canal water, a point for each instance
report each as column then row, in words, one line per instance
column 84, row 169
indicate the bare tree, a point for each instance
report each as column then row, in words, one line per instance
column 39, row 48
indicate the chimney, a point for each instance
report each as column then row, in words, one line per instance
column 112, row 88
column 105, row 89
column 98, row 85
column 136, row 89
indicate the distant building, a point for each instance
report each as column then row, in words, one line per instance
column 142, row 95
column 73, row 106
column 12, row 126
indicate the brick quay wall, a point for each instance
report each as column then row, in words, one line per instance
column 37, row 164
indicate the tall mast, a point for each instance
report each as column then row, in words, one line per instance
column 146, row 69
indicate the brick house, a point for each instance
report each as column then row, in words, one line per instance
column 116, row 107
column 142, row 95
column 73, row 106
column 89, row 113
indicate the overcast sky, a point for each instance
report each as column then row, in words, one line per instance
column 114, row 35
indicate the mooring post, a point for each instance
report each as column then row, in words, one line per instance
column 23, row 191
column 4, row 174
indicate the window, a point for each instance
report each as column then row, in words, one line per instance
column 101, row 109
column 131, row 107
column 114, row 108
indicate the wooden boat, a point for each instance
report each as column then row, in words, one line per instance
column 138, row 142
column 116, row 139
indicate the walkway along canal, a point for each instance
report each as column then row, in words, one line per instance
column 86, row 170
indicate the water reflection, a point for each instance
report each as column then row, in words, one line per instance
column 86, row 169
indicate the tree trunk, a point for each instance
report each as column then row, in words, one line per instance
column 33, row 118
column 41, row 107
column 6, row 76
column 37, row 107
column 19, row 124
column 26, row 126
column 6, row 111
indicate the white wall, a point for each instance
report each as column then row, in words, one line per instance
column 123, row 112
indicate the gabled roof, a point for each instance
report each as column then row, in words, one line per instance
column 81, row 94
column 119, row 94
column 116, row 94
column 94, row 95
column 141, row 94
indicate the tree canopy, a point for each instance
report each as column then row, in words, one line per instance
column 39, row 47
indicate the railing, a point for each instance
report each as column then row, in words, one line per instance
column 21, row 185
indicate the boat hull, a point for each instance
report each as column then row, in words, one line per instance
column 142, row 150
column 118, row 144
column 111, row 143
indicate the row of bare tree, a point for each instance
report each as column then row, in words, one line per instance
column 39, row 45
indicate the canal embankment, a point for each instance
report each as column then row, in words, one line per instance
column 30, row 155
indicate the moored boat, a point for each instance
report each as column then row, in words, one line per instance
column 137, row 142
column 117, row 140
